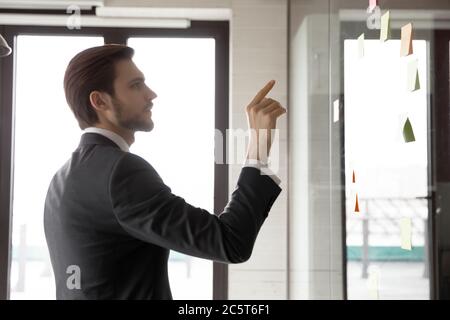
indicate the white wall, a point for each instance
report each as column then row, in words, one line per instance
column 258, row 54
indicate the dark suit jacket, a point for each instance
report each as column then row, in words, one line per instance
column 109, row 213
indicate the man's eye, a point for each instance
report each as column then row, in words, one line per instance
column 136, row 85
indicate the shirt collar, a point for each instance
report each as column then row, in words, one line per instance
column 117, row 139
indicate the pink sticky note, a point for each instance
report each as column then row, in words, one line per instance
column 406, row 46
column 372, row 4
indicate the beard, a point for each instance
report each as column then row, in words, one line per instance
column 136, row 122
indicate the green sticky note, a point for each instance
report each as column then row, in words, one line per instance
column 385, row 32
column 416, row 82
column 408, row 133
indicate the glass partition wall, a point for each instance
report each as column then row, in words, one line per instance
column 369, row 149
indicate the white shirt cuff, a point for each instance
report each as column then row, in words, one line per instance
column 263, row 167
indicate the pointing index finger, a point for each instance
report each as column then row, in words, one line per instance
column 263, row 92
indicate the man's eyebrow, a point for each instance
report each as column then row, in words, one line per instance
column 137, row 79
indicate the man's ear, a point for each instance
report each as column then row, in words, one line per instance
column 99, row 100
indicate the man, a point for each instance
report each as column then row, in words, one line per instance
column 110, row 220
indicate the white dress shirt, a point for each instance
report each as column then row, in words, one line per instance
column 112, row 136
column 263, row 167
column 123, row 145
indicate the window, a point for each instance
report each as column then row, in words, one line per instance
column 181, row 145
column 46, row 133
column 186, row 68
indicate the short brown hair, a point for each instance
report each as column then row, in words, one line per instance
column 92, row 69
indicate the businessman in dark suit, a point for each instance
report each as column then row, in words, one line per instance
column 110, row 220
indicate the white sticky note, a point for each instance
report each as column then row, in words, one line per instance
column 385, row 33
column 336, row 110
column 361, row 46
column 406, row 231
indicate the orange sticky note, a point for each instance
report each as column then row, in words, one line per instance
column 407, row 47
column 372, row 4
column 353, row 178
column 356, row 204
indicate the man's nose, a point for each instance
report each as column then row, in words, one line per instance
column 151, row 94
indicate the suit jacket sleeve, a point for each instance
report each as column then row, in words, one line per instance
column 146, row 209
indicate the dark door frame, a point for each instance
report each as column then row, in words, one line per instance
column 438, row 132
column 219, row 30
column 441, row 155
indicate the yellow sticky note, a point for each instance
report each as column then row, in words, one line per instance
column 361, row 46
column 406, row 231
column 406, row 47
column 385, row 32
column 336, row 110
column 373, row 284
column 413, row 76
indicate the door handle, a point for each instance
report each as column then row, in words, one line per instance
column 424, row 198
